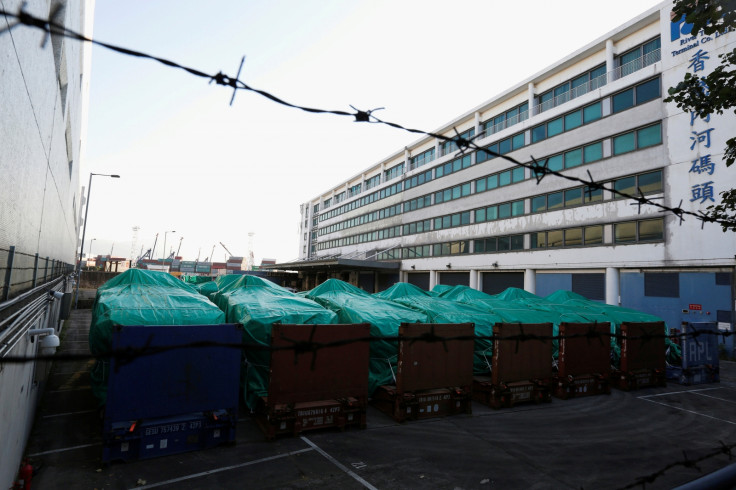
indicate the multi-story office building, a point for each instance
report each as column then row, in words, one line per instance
column 430, row 214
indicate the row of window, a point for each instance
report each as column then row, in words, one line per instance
column 500, row 179
column 362, row 219
column 371, row 236
column 570, row 89
column 372, row 182
column 638, row 94
column 363, row 201
column 354, row 190
column 448, row 147
column 421, row 159
column 453, row 166
column 627, row 232
column 501, row 147
column 632, row 140
column 506, row 119
column 637, row 58
column 648, row 183
column 393, row 172
column 418, row 179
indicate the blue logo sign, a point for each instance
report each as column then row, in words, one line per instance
column 680, row 27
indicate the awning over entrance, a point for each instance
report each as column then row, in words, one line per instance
column 335, row 264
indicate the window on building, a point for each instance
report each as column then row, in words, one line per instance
column 421, row 159
column 637, row 58
column 373, row 181
column 641, row 93
column 448, row 147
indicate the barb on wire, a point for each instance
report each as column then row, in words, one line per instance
column 686, row 462
column 51, row 26
column 235, row 89
column 305, row 346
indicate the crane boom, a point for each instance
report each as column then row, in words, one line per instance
column 226, row 250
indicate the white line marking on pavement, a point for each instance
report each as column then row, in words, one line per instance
column 679, row 392
column 339, row 465
column 67, row 413
column 62, row 450
column 689, row 411
column 716, row 398
column 225, row 468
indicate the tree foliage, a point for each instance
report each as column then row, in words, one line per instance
column 712, row 93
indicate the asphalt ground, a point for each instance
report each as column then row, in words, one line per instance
column 604, row 441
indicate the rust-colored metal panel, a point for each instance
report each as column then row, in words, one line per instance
column 523, row 360
column 426, row 365
column 294, row 419
column 584, row 355
column 422, row 404
column 507, row 395
column 640, row 352
column 581, row 385
column 325, row 374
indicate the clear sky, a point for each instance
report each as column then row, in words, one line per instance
column 189, row 162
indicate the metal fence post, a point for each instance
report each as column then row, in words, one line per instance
column 9, row 273
column 46, row 270
column 35, row 270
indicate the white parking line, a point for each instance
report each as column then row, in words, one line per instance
column 339, row 465
column 685, row 410
column 67, row 414
column 716, row 398
column 224, row 468
column 62, row 450
column 680, row 392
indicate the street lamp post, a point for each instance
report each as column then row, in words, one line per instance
column 170, row 231
column 84, row 233
column 90, row 246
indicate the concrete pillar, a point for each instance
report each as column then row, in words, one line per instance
column 613, row 295
column 407, row 159
column 477, row 123
column 530, row 280
column 530, row 96
column 610, row 62
column 474, row 274
column 432, row 279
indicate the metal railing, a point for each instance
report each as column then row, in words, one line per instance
column 21, row 271
column 620, row 72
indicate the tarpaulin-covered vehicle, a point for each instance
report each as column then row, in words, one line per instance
column 442, row 310
column 258, row 304
column 353, row 305
column 145, row 298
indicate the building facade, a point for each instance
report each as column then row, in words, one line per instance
column 44, row 82
column 431, row 214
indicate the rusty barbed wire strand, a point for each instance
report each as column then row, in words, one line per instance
column 307, row 346
column 686, row 462
column 539, row 170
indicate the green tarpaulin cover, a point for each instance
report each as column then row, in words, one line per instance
column 353, row 305
column 194, row 280
column 517, row 305
column 206, row 288
column 442, row 310
column 257, row 304
column 142, row 297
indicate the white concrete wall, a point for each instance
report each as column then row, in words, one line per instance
column 42, row 120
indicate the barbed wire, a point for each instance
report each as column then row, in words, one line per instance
column 685, row 462
column 539, row 170
column 310, row 346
